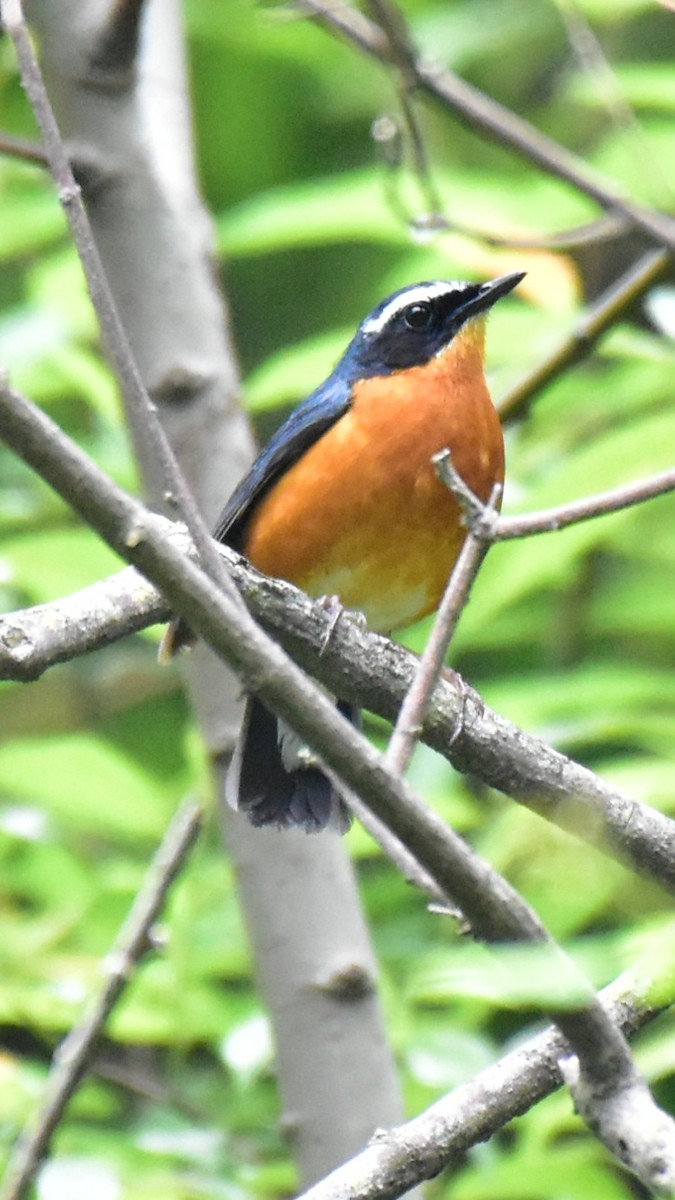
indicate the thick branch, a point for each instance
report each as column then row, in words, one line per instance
column 130, row 131
column 376, row 673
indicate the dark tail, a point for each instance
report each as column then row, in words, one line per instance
column 177, row 636
column 275, row 781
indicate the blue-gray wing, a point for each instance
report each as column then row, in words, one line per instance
column 302, row 429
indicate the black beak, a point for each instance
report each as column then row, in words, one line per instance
column 488, row 294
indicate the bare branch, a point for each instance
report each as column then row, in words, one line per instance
column 484, row 527
column 35, row 639
column 23, row 148
column 139, row 536
column 627, row 1105
column 74, row 1056
column 548, row 520
column 410, row 720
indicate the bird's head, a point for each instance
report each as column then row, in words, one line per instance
column 419, row 322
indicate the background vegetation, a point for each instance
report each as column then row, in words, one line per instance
column 571, row 636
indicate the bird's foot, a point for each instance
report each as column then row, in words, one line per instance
column 336, row 611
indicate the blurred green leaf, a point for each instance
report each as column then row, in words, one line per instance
column 295, row 371
column 50, row 564
column 328, row 211
column 613, row 11
column 31, row 219
column 642, row 85
column 86, row 784
column 581, row 1170
column 518, row 976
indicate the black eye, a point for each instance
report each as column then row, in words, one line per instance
column 417, row 316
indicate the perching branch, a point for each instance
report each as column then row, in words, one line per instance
column 375, row 673
column 139, row 536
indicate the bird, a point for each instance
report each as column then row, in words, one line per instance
column 345, row 502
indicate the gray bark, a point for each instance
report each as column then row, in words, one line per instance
column 132, row 148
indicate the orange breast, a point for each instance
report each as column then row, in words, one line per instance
column 362, row 514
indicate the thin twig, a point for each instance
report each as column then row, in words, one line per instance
column 387, row 134
column 22, row 148
column 607, row 309
column 485, row 522
column 565, row 240
column 74, row 1056
column 414, row 709
column 402, row 55
column 493, row 120
column 392, row 23
column 548, row 520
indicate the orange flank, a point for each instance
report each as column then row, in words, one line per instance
column 362, row 514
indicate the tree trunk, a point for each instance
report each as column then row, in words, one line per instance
column 128, row 131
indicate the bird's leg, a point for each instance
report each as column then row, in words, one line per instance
column 462, row 689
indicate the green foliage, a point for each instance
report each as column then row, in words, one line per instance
column 571, row 635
